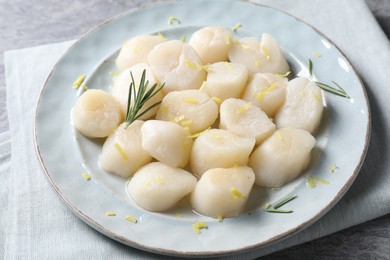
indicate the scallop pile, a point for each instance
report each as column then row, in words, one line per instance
column 229, row 119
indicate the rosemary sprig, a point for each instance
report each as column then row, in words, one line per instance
column 275, row 208
column 140, row 98
column 285, row 201
column 339, row 91
column 310, row 67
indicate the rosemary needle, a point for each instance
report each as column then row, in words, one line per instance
column 285, row 201
column 140, row 98
column 310, row 67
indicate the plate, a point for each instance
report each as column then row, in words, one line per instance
column 64, row 154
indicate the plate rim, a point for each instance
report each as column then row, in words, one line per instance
column 290, row 232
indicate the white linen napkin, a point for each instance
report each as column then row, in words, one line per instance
column 37, row 224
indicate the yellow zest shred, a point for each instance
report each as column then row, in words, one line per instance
column 191, row 65
column 114, row 73
column 202, row 86
column 236, row 194
column 235, row 27
column 78, row 81
column 227, row 39
column 199, row 134
column 179, row 215
column 159, row 180
column 279, row 135
column 85, row 88
column 131, row 219
column 320, row 180
column 265, row 52
column 267, row 205
column 193, row 101
column 165, row 108
column 284, row 75
column 245, row 47
column 162, row 36
column 86, row 176
column 244, row 108
column 333, row 169
column 316, row 97
column 186, row 123
column 198, row 226
column 121, row 152
column 183, row 38
column 311, row 181
column 257, row 63
column 178, row 119
column 110, row 214
column 317, row 54
column 265, row 91
column 220, row 218
column 172, row 19
column 217, row 100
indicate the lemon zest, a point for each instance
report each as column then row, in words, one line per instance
column 317, row 54
column 220, row 218
column 110, row 214
column 179, row 215
column 198, row 226
column 228, row 39
column 186, row 123
column 265, row 51
column 131, row 219
column 217, row 100
column 236, row 194
column 121, row 152
column 191, row 65
column 77, row 83
column 172, row 19
column 244, row 108
column 193, row 101
column 265, row 91
column 162, row 36
column 200, row 133
column 183, row 38
column 202, row 86
column 85, row 88
column 267, row 205
column 235, row 27
column 316, row 97
column 333, row 169
column 86, row 176
column 257, row 63
column 114, row 73
column 284, row 75
column 279, row 135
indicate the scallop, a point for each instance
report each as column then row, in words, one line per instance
column 177, row 65
column 218, row 148
column 223, row 192
column 264, row 56
column 192, row 109
column 122, row 152
column 212, row 43
column 120, row 89
column 167, row 142
column 303, row 107
column 267, row 91
column 244, row 119
column 158, row 187
column 226, row 80
column 282, row 157
column 96, row 114
column 136, row 50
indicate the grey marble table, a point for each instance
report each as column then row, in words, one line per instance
column 28, row 23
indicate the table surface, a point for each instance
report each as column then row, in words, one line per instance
column 29, row 23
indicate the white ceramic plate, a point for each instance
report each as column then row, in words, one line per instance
column 65, row 154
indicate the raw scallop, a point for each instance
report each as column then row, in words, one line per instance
column 158, row 187
column 282, row 157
